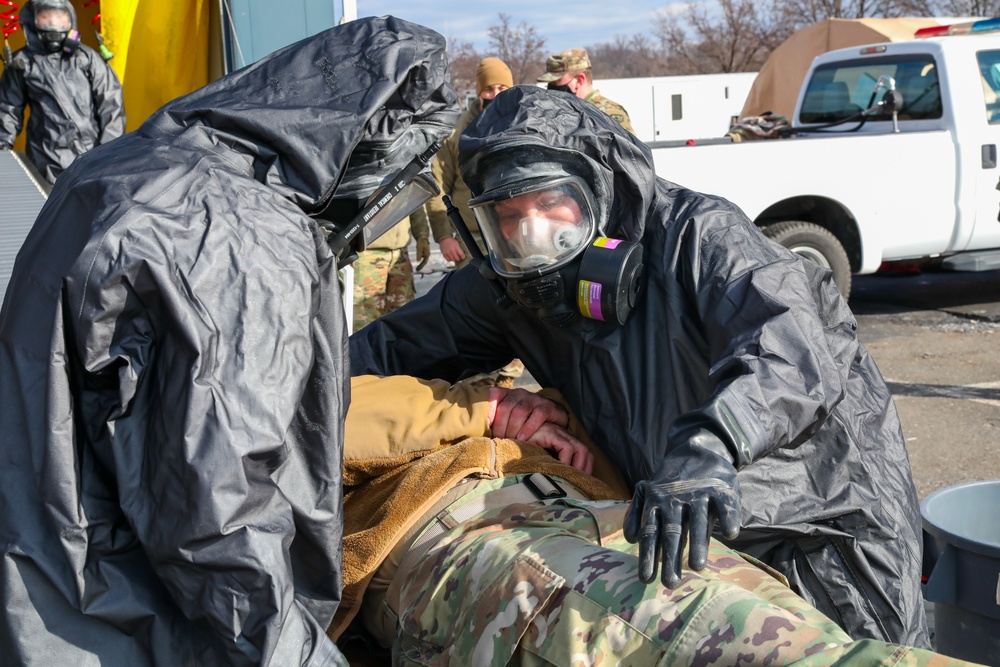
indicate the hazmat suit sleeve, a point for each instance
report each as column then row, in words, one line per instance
column 109, row 106
column 12, row 101
column 781, row 340
column 212, row 378
column 452, row 332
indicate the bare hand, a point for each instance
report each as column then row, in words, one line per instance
column 564, row 447
column 451, row 249
column 518, row 413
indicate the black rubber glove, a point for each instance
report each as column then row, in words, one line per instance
column 694, row 488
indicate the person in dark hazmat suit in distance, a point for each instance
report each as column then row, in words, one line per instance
column 173, row 367
column 721, row 373
column 74, row 96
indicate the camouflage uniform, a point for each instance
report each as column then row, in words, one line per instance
column 383, row 274
column 577, row 60
column 555, row 582
column 611, row 108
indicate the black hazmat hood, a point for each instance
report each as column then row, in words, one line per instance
column 27, row 19
column 295, row 113
column 526, row 128
column 173, row 368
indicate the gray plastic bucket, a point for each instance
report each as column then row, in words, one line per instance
column 962, row 563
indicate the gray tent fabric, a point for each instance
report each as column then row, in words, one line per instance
column 75, row 98
column 173, row 367
column 724, row 317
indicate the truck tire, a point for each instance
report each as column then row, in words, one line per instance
column 817, row 244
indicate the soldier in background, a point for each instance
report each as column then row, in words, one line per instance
column 383, row 273
column 492, row 78
column 570, row 72
column 74, row 97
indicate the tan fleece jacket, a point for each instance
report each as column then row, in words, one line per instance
column 449, row 179
column 407, row 441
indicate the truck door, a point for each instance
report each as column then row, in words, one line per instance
column 986, row 233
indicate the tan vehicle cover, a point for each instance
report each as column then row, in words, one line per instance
column 776, row 87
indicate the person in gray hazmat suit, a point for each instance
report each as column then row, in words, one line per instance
column 74, row 96
column 720, row 372
column 173, row 360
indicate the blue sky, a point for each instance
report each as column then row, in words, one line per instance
column 563, row 24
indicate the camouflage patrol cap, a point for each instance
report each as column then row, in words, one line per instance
column 570, row 60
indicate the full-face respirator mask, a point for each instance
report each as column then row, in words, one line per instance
column 548, row 248
column 54, row 26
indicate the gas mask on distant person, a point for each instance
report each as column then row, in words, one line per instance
column 54, row 26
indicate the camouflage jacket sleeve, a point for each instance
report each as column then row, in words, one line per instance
column 418, row 223
column 445, row 170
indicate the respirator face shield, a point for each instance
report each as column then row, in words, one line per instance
column 412, row 195
column 53, row 26
column 537, row 226
column 352, row 224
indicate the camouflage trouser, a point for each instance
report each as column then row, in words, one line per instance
column 383, row 282
column 556, row 583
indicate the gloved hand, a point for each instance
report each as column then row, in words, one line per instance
column 694, row 487
column 423, row 252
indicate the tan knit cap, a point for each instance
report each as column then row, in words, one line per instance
column 492, row 72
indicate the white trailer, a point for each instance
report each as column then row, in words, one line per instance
column 669, row 108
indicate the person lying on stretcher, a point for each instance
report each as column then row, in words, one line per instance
column 465, row 548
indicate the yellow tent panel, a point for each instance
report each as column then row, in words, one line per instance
column 161, row 50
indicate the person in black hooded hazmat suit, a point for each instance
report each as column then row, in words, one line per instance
column 719, row 371
column 173, row 360
column 74, row 96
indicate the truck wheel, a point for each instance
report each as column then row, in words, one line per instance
column 817, row 244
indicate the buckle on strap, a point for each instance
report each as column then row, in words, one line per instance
column 543, row 486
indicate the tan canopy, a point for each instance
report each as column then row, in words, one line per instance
column 776, row 87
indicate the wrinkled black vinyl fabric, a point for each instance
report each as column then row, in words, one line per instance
column 75, row 100
column 173, row 373
column 725, row 317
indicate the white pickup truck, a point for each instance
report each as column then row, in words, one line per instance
column 855, row 184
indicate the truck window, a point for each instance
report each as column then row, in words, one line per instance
column 989, row 71
column 843, row 89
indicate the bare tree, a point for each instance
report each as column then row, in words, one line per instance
column 521, row 47
column 737, row 38
column 464, row 60
column 627, row 57
column 806, row 12
column 968, row 8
